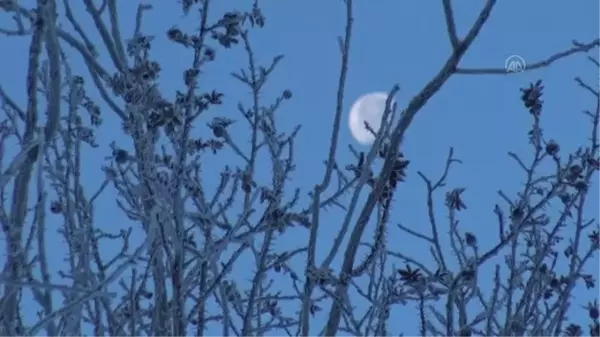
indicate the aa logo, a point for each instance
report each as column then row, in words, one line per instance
column 515, row 64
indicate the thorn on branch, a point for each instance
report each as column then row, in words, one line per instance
column 454, row 200
column 593, row 310
column 247, row 182
column 121, row 156
column 409, row 275
column 531, row 97
column 465, row 331
column 575, row 172
column 573, row 330
column 552, row 148
column 177, row 36
column 471, row 239
column 56, row 207
column 287, row 94
column 595, row 329
column 594, row 237
column 517, row 214
column 219, row 126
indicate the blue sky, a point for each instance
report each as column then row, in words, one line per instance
column 402, row 42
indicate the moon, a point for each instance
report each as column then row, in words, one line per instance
column 367, row 108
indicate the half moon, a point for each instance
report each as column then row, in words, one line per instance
column 367, row 108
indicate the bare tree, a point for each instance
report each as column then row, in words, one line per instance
column 180, row 278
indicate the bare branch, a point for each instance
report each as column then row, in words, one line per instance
column 450, row 24
column 578, row 48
